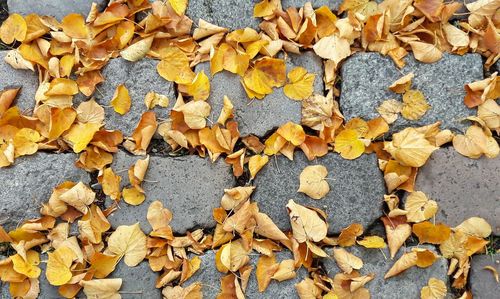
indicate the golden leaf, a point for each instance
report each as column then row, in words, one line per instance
column 179, row 6
column 403, row 84
column 195, row 113
column 419, row 207
column 406, row 261
column 79, row 135
column 199, row 88
column 312, row 181
column 372, row 242
column 79, row 197
column 266, row 267
column 306, row 223
column 130, row 242
column 14, row 28
column 425, row 52
column 121, row 100
column 435, row 289
column 266, row 74
column 292, row 132
column 475, row 143
column 414, row 105
column 174, row 66
column 58, row 266
column 226, row 112
column 255, row 164
column 349, row 234
column 409, row 147
column 475, row 226
column 27, row 265
column 346, row 261
column 301, row 84
column 348, row 144
column 102, row 288
column 333, row 47
column 132, row 196
column 389, row 110
column 73, row 25
column 427, row 232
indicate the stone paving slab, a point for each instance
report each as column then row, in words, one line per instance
column 405, row 285
column 56, row 8
column 232, row 14
column 29, row 183
column 137, row 282
column 462, row 187
column 210, row 278
column 260, row 116
column 139, row 78
column 482, row 282
column 356, row 190
column 189, row 186
column 366, row 78
column 26, row 79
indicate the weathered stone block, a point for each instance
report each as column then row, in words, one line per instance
column 210, row 279
column 462, row 187
column 405, row 285
column 482, row 282
column 140, row 78
column 366, row 78
column 356, row 190
column 26, row 79
column 332, row 4
column 231, row 14
column 189, row 186
column 56, row 8
column 29, row 183
column 137, row 282
column 260, row 116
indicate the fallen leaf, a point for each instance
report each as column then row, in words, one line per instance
column 306, row 223
column 102, row 288
column 427, row 232
column 475, row 226
column 409, row 147
column 300, row 84
column 195, row 113
column 255, row 164
column 349, row 234
column 80, row 197
column 346, row 261
column 425, row 52
column 349, row 145
column 13, row 28
column 435, row 289
column 121, row 100
column 130, row 242
column 292, row 132
column 406, row 261
column 312, row 181
column 419, row 207
column 403, row 84
column 372, row 242
column 27, row 265
column 58, row 266
column 266, row 267
column 414, row 105
column 137, row 50
column 333, row 47
column 389, row 110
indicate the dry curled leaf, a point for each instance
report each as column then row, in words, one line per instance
column 346, row 261
column 306, row 224
column 102, row 288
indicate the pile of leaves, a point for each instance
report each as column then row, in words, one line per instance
column 69, row 55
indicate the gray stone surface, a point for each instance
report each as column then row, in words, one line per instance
column 260, row 116
column 29, row 183
column 26, row 79
column 46, row 289
column 232, row 14
column 56, row 8
column 366, row 78
column 189, row 186
column 210, row 278
column 482, row 282
column 356, row 190
column 462, row 187
column 137, row 282
column 405, row 285
column 140, row 78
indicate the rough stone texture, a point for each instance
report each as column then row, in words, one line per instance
column 356, row 190
column 189, row 186
column 405, row 285
column 232, row 14
column 462, row 187
column 46, row 289
column 140, row 78
column 26, row 79
column 210, row 278
column 366, row 78
column 139, row 280
column 56, row 8
column 29, row 183
column 482, row 282
column 259, row 116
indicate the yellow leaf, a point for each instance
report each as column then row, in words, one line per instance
column 132, row 196
column 174, row 66
column 226, row 112
column 427, row 232
column 475, row 143
column 286, row 270
column 61, row 120
column 312, row 181
column 25, row 142
column 266, row 74
column 409, row 147
column 346, row 261
column 292, row 132
column 348, row 144
column 195, row 113
column 414, row 105
column 475, row 226
column 372, row 242
column 137, row 50
column 333, row 48
column 199, row 89
column 128, row 241
column 103, row 264
column 102, row 288
column 403, row 84
column 406, row 261
column 121, row 100
column 266, row 267
column 74, row 26
column 14, row 28
column 435, row 289
column 110, row 183
column 62, row 87
column 27, row 266
column 419, row 207
column 79, row 135
column 425, row 52
column 255, row 164
column 489, row 112
column 179, row 6
column 306, row 223
column 389, row 110
column 79, row 197
column 153, row 99
column 158, row 216
column 349, row 234
column 301, row 84
column 58, row 266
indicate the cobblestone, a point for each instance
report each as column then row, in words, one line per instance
column 483, row 283
column 56, row 8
